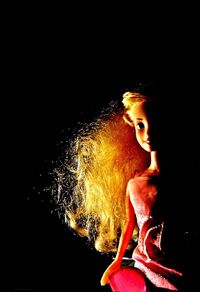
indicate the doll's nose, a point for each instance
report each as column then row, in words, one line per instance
column 150, row 135
column 149, row 132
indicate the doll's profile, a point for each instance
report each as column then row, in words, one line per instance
column 116, row 185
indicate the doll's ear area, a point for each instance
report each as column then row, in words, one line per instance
column 128, row 120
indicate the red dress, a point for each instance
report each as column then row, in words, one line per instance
column 148, row 254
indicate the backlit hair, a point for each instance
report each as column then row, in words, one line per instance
column 103, row 160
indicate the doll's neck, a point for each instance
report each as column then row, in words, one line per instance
column 154, row 166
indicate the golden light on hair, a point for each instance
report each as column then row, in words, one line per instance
column 107, row 157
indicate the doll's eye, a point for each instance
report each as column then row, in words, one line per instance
column 140, row 126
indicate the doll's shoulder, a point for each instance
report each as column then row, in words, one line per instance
column 140, row 180
column 136, row 181
column 147, row 182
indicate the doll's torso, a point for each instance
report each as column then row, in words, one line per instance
column 143, row 196
column 148, row 255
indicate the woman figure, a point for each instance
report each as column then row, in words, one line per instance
column 117, row 179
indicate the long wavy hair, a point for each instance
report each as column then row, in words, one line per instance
column 92, row 180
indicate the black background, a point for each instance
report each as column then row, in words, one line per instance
column 61, row 71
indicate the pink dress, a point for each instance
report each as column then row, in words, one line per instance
column 148, row 254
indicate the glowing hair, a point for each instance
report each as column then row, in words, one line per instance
column 130, row 99
column 104, row 159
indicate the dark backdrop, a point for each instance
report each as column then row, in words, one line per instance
column 56, row 78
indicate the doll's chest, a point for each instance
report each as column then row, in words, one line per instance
column 143, row 195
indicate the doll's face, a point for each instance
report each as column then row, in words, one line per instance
column 146, row 123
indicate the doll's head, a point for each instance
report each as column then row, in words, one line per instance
column 141, row 113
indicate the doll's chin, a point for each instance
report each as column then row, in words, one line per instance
column 151, row 148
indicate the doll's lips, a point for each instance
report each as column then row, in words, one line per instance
column 147, row 141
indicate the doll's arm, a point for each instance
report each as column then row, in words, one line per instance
column 123, row 242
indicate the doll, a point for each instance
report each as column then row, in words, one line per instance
column 141, row 196
column 116, row 179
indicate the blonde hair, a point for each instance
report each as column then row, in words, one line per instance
column 105, row 157
column 131, row 99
